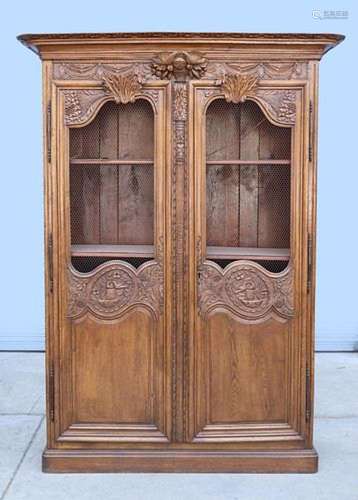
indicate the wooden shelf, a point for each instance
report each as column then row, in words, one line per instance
column 103, row 161
column 126, row 251
column 248, row 162
column 248, row 253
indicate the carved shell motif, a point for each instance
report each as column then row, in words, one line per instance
column 179, row 65
column 237, row 88
column 124, row 88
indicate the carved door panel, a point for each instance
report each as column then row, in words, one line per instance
column 245, row 376
column 112, row 262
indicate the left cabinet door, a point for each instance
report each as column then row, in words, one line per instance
column 110, row 289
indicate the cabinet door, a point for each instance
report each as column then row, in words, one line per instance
column 246, row 380
column 112, row 382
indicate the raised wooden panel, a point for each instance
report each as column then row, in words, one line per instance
column 116, row 374
column 247, row 370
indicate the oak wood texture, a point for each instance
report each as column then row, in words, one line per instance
column 183, row 150
column 253, row 253
column 134, row 251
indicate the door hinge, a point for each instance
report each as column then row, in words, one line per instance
column 308, row 393
column 48, row 131
column 50, row 262
column 309, row 262
column 310, row 154
column 51, row 392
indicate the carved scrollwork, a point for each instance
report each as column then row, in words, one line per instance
column 113, row 287
column 246, row 288
column 124, row 88
column 81, row 104
column 179, row 65
column 280, row 104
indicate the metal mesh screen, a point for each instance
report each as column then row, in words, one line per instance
column 112, row 181
column 112, row 204
column 247, row 181
column 119, row 131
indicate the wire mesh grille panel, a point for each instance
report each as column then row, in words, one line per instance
column 118, row 132
column 112, row 181
column 247, row 179
column 112, row 204
column 248, row 206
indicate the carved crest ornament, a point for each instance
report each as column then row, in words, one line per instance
column 179, row 65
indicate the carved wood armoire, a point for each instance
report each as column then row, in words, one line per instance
column 180, row 181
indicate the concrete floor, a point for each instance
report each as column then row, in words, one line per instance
column 22, row 438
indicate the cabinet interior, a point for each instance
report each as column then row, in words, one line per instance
column 248, row 162
column 112, row 186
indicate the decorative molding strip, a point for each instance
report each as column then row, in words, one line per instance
column 124, row 88
column 179, row 65
column 113, row 287
column 163, row 68
column 261, row 70
column 96, row 71
column 245, row 288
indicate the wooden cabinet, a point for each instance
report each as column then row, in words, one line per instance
column 180, row 179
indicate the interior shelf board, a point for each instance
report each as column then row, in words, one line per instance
column 248, row 162
column 103, row 161
column 249, row 253
column 146, row 251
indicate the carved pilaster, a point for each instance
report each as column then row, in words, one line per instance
column 180, row 254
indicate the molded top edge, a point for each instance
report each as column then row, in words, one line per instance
column 322, row 42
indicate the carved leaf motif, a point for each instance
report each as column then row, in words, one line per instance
column 237, row 88
column 180, row 65
column 124, row 88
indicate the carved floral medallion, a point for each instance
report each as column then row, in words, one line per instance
column 111, row 288
column 245, row 288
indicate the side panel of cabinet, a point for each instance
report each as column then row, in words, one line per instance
column 248, row 339
column 111, row 346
